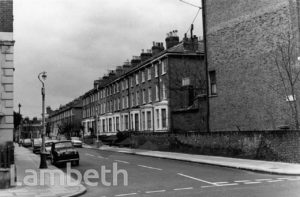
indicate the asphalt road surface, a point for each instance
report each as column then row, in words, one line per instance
column 149, row 176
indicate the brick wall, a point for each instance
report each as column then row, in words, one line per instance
column 188, row 110
column 6, row 16
column 280, row 145
column 239, row 37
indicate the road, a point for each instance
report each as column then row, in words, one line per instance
column 149, row 176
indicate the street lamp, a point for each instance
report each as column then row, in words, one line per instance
column 43, row 165
column 19, row 136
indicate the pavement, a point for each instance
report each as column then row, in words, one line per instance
column 51, row 182
column 280, row 168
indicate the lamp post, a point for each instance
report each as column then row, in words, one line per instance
column 19, row 136
column 43, row 164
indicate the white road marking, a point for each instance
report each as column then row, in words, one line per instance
column 206, row 186
column 273, row 181
column 284, row 178
column 149, row 167
column 220, row 183
column 201, row 180
column 251, row 183
column 89, row 155
column 122, row 161
column 242, row 181
column 263, row 179
column 185, row 188
column 229, row 184
column 156, row 191
column 129, row 194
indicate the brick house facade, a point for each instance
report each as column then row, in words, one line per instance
column 6, row 71
column 242, row 37
column 68, row 116
column 148, row 93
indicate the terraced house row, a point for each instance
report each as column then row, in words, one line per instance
column 160, row 90
column 148, row 93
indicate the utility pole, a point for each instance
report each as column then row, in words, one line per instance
column 204, row 26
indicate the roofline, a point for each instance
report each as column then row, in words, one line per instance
column 144, row 63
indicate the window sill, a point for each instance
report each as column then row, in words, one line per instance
column 213, row 95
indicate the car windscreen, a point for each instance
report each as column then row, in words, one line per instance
column 48, row 143
column 37, row 141
column 63, row 145
column 27, row 140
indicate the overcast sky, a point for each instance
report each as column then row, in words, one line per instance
column 77, row 41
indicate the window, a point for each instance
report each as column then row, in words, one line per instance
column 143, row 121
column 132, row 99
column 126, row 121
column 131, row 81
column 109, row 125
column 144, row 96
column 118, row 87
column 119, row 104
column 137, row 79
column 127, row 101
column 117, row 124
column 156, row 70
column 149, row 118
column 164, row 93
column 103, row 125
column 126, row 83
column 164, row 118
column 149, row 74
column 186, row 81
column 163, row 67
column 143, row 76
column 157, row 118
column 149, row 95
column 156, row 93
column 137, row 101
column 213, row 82
column 136, row 122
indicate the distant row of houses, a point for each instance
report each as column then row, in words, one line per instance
column 251, row 81
column 148, row 94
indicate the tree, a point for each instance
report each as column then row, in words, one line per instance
column 17, row 119
column 284, row 57
column 69, row 129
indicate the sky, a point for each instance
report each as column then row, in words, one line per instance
column 78, row 41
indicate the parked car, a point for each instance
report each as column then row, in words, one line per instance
column 48, row 145
column 26, row 142
column 36, row 145
column 63, row 152
column 76, row 142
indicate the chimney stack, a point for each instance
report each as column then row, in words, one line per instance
column 172, row 39
column 135, row 60
column 190, row 44
column 146, row 55
column 96, row 83
column 157, row 48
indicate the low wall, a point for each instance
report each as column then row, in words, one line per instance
column 282, row 145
